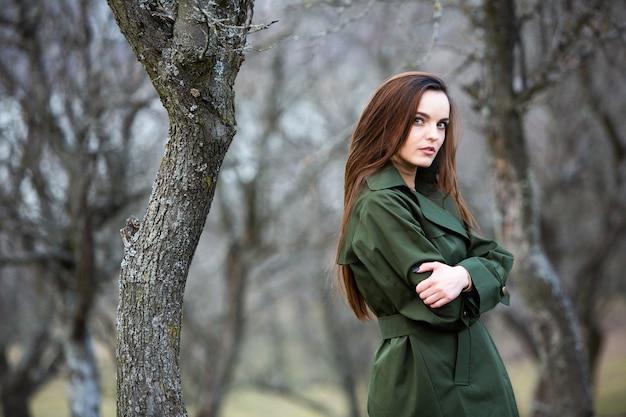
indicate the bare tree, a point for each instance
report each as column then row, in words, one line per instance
column 595, row 182
column 503, row 96
column 192, row 51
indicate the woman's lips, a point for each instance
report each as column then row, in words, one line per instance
column 428, row 150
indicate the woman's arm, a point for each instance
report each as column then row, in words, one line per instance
column 489, row 265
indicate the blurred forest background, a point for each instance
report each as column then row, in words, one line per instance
column 82, row 132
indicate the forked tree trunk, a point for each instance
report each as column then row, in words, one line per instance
column 192, row 51
column 564, row 385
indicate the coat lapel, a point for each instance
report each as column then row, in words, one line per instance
column 440, row 216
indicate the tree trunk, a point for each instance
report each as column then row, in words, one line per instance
column 587, row 292
column 564, row 387
column 83, row 387
column 13, row 396
column 15, row 403
column 192, row 52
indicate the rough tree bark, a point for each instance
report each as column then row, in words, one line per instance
column 564, row 385
column 192, row 51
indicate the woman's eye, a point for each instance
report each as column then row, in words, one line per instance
column 418, row 121
column 442, row 125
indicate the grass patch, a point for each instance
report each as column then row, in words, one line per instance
column 611, row 391
column 610, row 394
column 246, row 403
column 523, row 375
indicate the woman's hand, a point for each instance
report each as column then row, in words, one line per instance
column 444, row 285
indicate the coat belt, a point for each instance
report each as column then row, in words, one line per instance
column 398, row 325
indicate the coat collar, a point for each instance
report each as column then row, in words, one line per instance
column 387, row 177
column 437, row 209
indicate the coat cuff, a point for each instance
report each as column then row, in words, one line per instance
column 488, row 284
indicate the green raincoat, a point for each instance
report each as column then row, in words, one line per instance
column 432, row 362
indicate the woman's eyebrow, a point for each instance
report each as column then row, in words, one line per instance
column 427, row 116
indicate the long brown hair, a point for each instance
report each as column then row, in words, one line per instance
column 381, row 130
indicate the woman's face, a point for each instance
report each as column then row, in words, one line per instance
column 427, row 133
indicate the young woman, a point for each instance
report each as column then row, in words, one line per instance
column 409, row 254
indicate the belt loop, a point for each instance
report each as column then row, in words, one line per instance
column 462, row 368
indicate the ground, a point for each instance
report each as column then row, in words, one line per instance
column 609, row 393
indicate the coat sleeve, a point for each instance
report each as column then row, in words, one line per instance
column 390, row 243
column 488, row 264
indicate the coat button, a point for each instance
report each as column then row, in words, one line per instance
column 465, row 313
column 504, row 292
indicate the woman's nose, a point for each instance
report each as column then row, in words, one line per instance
column 433, row 132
